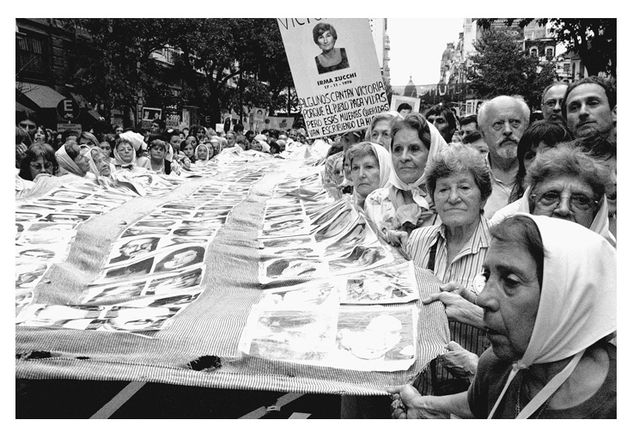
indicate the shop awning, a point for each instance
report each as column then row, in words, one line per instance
column 41, row 95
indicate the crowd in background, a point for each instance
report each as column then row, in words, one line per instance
column 528, row 198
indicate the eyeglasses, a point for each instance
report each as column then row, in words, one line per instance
column 41, row 166
column 28, row 126
column 552, row 199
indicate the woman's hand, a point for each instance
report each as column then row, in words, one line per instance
column 457, row 307
column 459, row 361
column 409, row 404
column 397, row 238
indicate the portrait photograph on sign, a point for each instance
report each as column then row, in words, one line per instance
column 338, row 80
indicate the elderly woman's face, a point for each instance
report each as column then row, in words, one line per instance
column 82, row 161
column 202, row 153
column 101, row 162
column 458, row 199
column 565, row 197
column 510, row 298
column 408, row 155
column 365, row 175
column 126, row 151
column 326, row 41
column 381, row 133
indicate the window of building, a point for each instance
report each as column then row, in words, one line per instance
column 566, row 67
column 30, row 55
column 549, row 52
column 534, row 52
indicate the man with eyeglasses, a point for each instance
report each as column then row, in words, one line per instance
column 502, row 122
column 552, row 102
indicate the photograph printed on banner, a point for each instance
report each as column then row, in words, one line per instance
column 89, row 211
column 297, row 269
column 25, row 216
column 342, row 221
column 140, row 231
column 167, row 213
column 361, row 257
column 134, row 270
column 190, row 278
column 69, row 194
column 293, row 252
column 194, row 232
column 155, row 223
column 66, row 217
column 27, row 275
column 113, row 293
column 39, row 208
column 376, row 338
column 178, row 258
column 183, row 205
column 128, row 249
column 285, row 242
column 47, row 233
column 43, row 254
column 389, row 284
column 301, row 297
column 359, row 234
column 324, row 216
column 292, row 226
column 289, row 335
column 54, row 203
column 173, row 298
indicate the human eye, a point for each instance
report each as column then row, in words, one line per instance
column 572, row 107
column 511, row 281
column 497, row 125
column 355, row 168
column 397, row 149
column 551, row 103
column 580, row 201
column 529, row 155
column 464, row 187
column 550, row 197
column 515, row 123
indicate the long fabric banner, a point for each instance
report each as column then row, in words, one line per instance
column 335, row 72
column 246, row 260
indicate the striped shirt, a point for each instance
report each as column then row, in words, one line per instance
column 463, row 269
column 467, row 263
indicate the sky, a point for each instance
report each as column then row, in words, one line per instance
column 417, row 45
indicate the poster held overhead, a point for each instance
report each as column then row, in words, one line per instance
column 337, row 78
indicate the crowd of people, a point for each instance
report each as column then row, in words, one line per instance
column 515, row 216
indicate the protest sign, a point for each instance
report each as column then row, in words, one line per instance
column 396, row 101
column 281, row 123
column 335, row 72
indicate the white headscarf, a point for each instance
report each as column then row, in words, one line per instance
column 577, row 306
column 67, row 163
column 135, row 139
column 118, row 161
column 195, row 152
column 384, row 166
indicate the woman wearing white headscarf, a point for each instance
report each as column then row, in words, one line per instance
column 403, row 204
column 99, row 163
column 561, row 169
column 370, row 165
column 125, row 151
column 202, row 153
column 72, row 159
column 550, row 311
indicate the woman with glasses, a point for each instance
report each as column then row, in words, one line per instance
column 403, row 205
column 458, row 181
column 566, row 183
column 39, row 159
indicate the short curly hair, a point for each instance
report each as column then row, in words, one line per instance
column 320, row 28
column 458, row 158
column 567, row 160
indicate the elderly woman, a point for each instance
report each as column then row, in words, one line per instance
column 459, row 182
column 72, row 159
column 379, row 130
column 99, row 163
column 538, row 137
column 549, row 310
column 330, row 58
column 566, row 183
column 370, row 165
column 203, row 153
column 402, row 205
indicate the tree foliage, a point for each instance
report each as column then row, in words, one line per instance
column 593, row 39
column 501, row 67
column 220, row 63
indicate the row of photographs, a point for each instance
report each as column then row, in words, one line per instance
column 364, row 338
